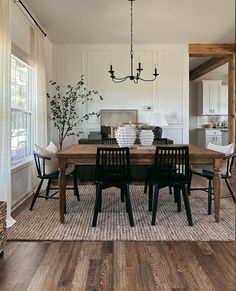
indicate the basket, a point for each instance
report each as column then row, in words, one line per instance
column 3, row 217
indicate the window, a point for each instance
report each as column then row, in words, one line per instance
column 21, row 110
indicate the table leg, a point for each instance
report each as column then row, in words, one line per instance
column 217, row 187
column 62, row 189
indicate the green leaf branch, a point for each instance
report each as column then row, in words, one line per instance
column 64, row 115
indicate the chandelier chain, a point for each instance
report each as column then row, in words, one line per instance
column 135, row 77
column 131, row 28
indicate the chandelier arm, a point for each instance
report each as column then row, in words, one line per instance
column 119, row 80
column 124, row 78
column 148, row 80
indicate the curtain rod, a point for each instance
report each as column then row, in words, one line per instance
column 31, row 16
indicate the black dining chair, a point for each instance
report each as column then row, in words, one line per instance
column 112, row 170
column 40, row 162
column 109, row 141
column 156, row 142
column 209, row 175
column 170, row 168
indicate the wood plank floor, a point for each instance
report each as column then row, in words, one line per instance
column 118, row 266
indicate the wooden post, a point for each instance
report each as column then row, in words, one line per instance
column 231, row 100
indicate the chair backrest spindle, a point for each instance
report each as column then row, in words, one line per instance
column 113, row 164
column 171, row 163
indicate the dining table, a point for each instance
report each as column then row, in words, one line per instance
column 85, row 154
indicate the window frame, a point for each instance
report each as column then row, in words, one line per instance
column 28, row 111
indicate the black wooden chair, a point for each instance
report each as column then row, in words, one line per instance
column 112, row 170
column 109, row 141
column 170, row 168
column 89, row 141
column 208, row 174
column 40, row 162
column 156, row 142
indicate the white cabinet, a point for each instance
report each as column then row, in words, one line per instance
column 223, row 106
column 224, row 137
column 211, row 135
column 209, row 96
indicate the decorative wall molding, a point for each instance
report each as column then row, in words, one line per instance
column 169, row 93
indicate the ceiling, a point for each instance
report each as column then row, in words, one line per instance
column 155, row 21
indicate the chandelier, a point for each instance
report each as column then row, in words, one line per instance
column 135, row 77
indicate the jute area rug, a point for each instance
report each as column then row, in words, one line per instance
column 43, row 222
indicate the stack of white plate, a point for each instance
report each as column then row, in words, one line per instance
column 125, row 136
column 146, row 137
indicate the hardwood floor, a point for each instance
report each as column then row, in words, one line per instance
column 118, row 266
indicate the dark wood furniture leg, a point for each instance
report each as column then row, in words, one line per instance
column 75, row 182
column 62, row 188
column 187, row 205
column 36, row 194
column 128, row 205
column 217, row 187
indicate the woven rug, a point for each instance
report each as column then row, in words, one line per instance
column 43, row 222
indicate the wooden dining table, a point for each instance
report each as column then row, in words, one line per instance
column 85, row 154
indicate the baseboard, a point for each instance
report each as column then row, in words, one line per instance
column 20, row 203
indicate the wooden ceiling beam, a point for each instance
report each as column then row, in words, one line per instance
column 207, row 67
column 214, row 50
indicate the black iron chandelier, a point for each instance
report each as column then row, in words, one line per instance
column 133, row 77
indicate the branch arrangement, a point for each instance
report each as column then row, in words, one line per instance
column 64, row 107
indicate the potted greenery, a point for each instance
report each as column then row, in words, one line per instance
column 63, row 107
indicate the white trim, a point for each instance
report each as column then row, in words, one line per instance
column 21, row 55
column 28, row 161
column 21, row 200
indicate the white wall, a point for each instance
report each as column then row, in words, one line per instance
column 23, row 175
column 169, row 93
column 21, row 30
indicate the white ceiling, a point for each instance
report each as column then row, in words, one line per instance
column 155, row 21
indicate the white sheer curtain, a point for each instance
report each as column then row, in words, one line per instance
column 5, row 107
column 41, row 98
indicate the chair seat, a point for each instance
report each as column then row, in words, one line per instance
column 171, row 180
column 55, row 175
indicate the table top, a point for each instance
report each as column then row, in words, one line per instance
column 76, row 150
